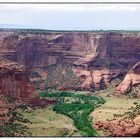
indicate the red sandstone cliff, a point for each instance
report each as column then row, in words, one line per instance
column 98, row 57
column 15, row 88
column 15, row 83
column 131, row 80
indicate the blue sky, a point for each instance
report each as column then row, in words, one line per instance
column 71, row 17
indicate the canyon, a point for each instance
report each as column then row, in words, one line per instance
column 95, row 57
column 40, row 61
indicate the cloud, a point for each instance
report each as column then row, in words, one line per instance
column 82, row 7
column 66, row 7
column 10, row 8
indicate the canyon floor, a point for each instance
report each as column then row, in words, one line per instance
column 46, row 122
column 113, row 106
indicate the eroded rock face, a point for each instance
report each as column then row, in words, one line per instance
column 131, row 80
column 120, row 127
column 15, row 83
column 96, row 79
column 15, row 89
column 101, row 56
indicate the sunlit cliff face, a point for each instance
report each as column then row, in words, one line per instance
column 99, row 57
column 15, row 83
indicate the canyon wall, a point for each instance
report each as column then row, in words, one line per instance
column 14, row 82
column 131, row 81
column 15, row 89
column 97, row 56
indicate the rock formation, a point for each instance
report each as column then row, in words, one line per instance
column 14, row 82
column 15, row 89
column 131, row 81
column 120, row 127
column 97, row 56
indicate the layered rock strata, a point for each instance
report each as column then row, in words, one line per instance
column 99, row 56
column 14, row 82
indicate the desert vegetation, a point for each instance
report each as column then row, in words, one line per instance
column 61, row 77
column 77, row 107
column 133, row 92
column 12, row 128
column 43, row 31
column 133, row 111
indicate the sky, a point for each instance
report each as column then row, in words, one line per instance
column 71, row 17
column 70, row 0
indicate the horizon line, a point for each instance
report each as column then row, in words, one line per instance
column 67, row 30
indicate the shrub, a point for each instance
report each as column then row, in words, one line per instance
column 43, row 94
column 78, row 109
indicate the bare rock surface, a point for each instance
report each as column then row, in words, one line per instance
column 14, row 82
column 120, row 127
column 131, row 80
column 99, row 55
